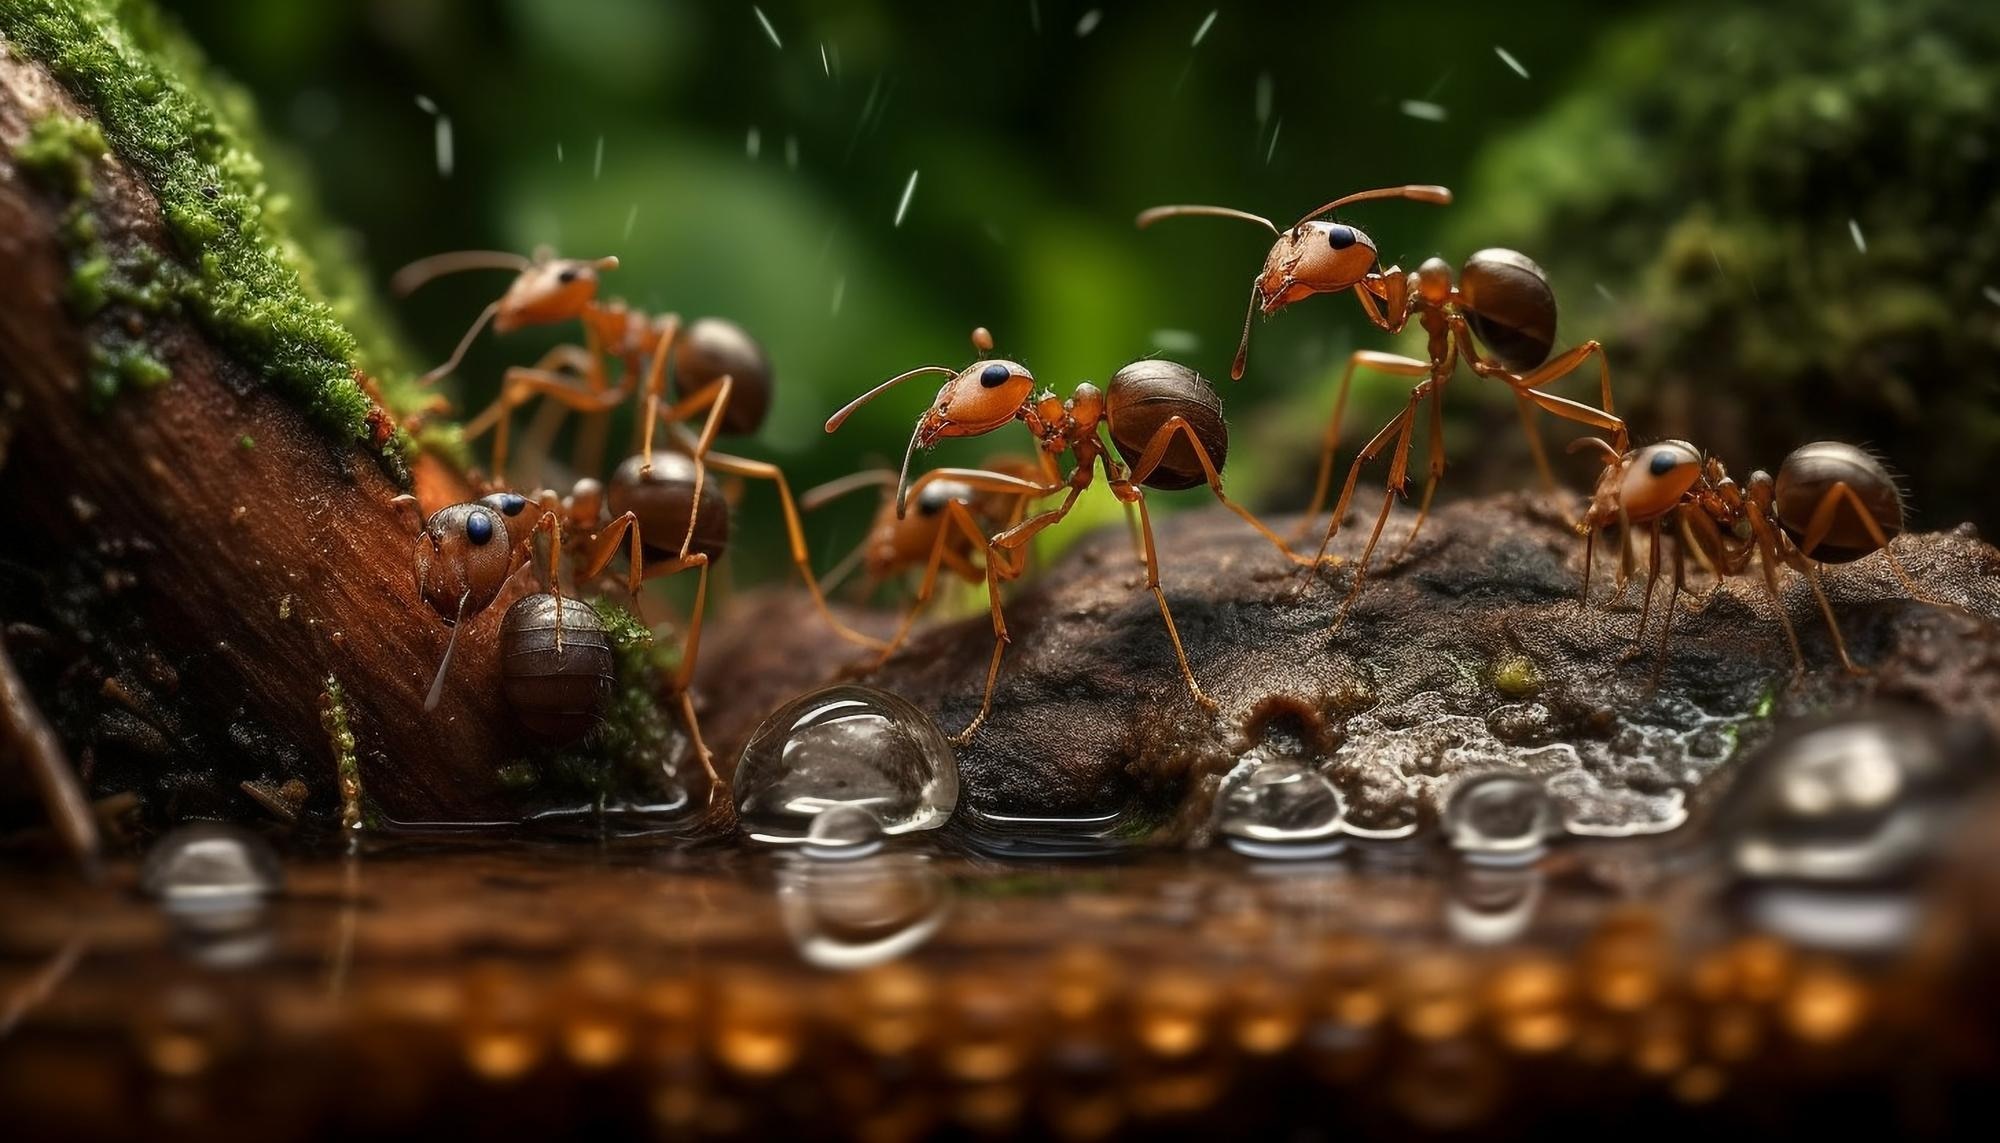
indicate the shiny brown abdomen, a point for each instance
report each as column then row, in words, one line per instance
column 557, row 694
column 1143, row 396
column 1810, row 473
column 662, row 502
column 1510, row 307
column 711, row 348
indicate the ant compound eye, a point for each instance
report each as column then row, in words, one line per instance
column 1663, row 462
column 566, row 276
column 479, row 527
column 1339, row 237
column 995, row 375
column 512, row 504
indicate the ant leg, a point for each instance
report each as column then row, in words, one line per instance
column 1534, row 434
column 812, row 499
column 999, row 649
column 1156, row 451
column 1392, row 364
column 604, row 545
column 1760, row 529
column 1673, row 600
column 1589, row 557
column 1398, row 426
column 1554, row 369
column 925, row 586
column 715, row 398
column 1652, row 579
column 801, row 556
column 1398, row 469
column 1806, row 569
column 1822, row 522
column 1153, row 584
column 521, row 385
column 1434, row 446
column 693, row 724
column 24, row 728
column 656, row 372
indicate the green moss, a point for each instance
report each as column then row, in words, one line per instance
column 1717, row 214
column 60, row 150
column 280, row 302
column 346, row 765
column 1516, row 676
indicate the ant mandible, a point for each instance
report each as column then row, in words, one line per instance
column 1830, row 503
column 1501, row 298
column 1165, row 421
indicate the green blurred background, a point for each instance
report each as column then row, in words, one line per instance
column 1693, row 177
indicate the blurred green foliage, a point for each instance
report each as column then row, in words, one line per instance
column 761, row 182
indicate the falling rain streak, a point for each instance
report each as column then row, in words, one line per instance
column 1264, row 93
column 792, row 152
column 441, row 135
column 1854, row 229
column 1424, row 109
column 903, row 207
column 1201, row 32
column 597, row 163
column 823, row 65
column 1507, row 57
column 631, row 219
column 839, row 294
column 753, row 143
column 768, row 29
column 1088, row 23
column 1273, row 148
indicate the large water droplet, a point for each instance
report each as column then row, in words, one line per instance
column 1829, row 829
column 212, row 880
column 845, row 745
column 1500, row 819
column 843, row 832
column 1275, row 809
column 853, row 914
column 210, row 865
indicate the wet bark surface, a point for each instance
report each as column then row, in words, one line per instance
column 1469, row 653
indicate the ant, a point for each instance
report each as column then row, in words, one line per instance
column 1830, row 503
column 951, row 519
column 719, row 369
column 1164, row 419
column 1501, row 298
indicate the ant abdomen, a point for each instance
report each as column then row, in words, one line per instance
column 1141, row 397
column 1807, row 478
column 1510, row 306
column 556, row 683
column 663, row 499
column 712, row 348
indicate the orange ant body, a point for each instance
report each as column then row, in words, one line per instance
column 1500, row 299
column 719, row 370
column 1164, row 420
column 949, row 520
column 1830, row 503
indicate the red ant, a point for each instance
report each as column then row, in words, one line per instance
column 1830, row 503
column 1165, row 421
column 719, row 369
column 1501, row 298
column 950, row 520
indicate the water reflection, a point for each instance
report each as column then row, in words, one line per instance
column 863, row 912
column 1047, row 837
column 213, row 882
column 1492, row 905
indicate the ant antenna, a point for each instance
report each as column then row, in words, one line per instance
column 1243, row 347
column 1149, row 217
column 444, row 666
column 420, row 272
column 847, row 410
column 1605, row 452
column 903, row 478
column 464, row 343
column 1417, row 192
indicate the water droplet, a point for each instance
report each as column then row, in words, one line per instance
column 1861, row 800
column 210, row 865
column 845, row 745
column 1280, row 810
column 855, row 914
column 843, row 832
column 1499, row 819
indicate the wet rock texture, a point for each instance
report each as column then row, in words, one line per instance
column 1470, row 653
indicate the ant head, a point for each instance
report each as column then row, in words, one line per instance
column 549, row 291
column 984, row 396
column 1645, row 484
column 518, row 515
column 1314, row 257
column 463, row 557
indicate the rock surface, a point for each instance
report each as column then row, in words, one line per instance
column 1470, row 653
